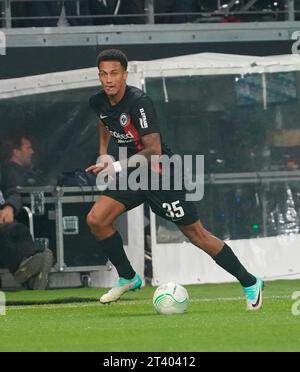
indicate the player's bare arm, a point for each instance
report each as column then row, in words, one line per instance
column 152, row 146
column 104, row 139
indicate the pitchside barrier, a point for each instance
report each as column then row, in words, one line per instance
column 240, row 112
column 60, row 224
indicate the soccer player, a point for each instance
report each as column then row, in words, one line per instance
column 127, row 114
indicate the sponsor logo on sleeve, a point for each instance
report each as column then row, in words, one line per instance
column 143, row 119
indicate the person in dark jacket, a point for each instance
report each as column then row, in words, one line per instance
column 17, row 249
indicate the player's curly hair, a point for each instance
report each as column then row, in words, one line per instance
column 112, row 55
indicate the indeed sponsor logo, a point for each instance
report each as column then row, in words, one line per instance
column 121, row 136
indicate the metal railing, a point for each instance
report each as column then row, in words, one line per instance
column 8, row 17
column 222, row 10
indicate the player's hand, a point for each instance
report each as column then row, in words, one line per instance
column 6, row 215
column 97, row 168
column 107, row 174
column 102, row 162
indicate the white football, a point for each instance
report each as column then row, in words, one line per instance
column 170, row 298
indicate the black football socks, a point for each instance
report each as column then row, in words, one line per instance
column 114, row 250
column 229, row 262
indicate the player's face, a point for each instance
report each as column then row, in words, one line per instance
column 112, row 76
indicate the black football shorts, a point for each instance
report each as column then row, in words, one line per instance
column 168, row 204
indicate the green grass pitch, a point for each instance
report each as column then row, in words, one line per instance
column 216, row 320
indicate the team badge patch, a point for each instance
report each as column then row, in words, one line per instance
column 123, row 120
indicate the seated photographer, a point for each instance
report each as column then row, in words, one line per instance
column 17, row 248
column 17, row 161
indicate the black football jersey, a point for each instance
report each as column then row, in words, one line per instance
column 130, row 119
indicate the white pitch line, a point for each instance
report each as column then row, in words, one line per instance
column 235, row 298
column 129, row 302
column 53, row 306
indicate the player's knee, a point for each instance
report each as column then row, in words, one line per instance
column 98, row 226
column 94, row 222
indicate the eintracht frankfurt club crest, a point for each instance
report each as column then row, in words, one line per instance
column 123, row 120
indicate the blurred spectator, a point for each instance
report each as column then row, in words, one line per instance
column 172, row 6
column 18, row 253
column 17, row 163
